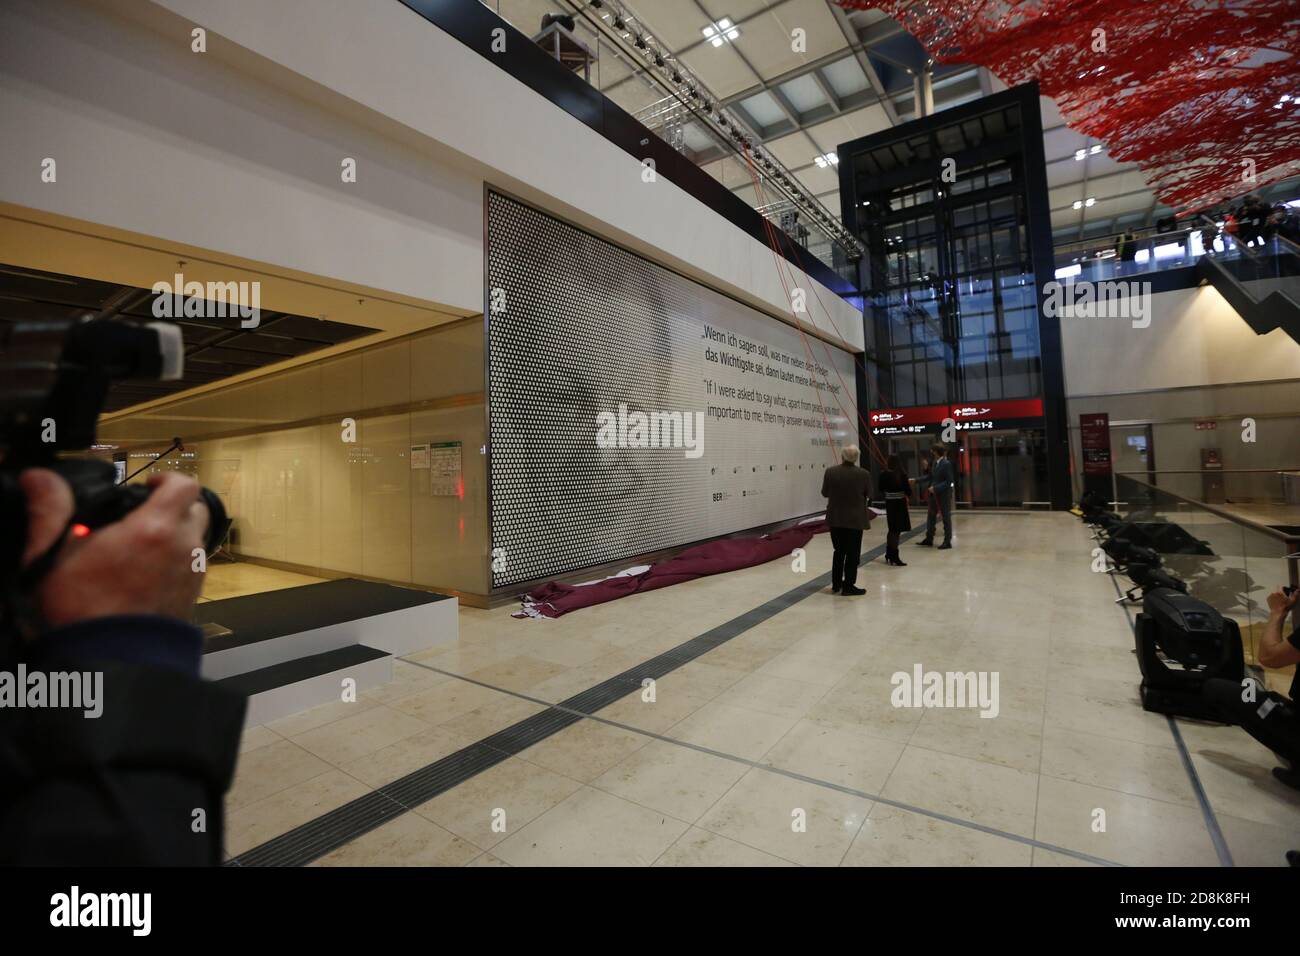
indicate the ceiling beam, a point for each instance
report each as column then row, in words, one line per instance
column 831, row 96
column 692, row 47
column 855, row 43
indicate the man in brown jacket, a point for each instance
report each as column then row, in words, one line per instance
column 847, row 489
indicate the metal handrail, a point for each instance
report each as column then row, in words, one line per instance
column 1110, row 239
column 1247, row 523
column 1201, row 471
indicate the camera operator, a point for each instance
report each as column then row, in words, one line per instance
column 1266, row 715
column 142, row 782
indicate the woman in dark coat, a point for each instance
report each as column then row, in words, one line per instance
column 895, row 486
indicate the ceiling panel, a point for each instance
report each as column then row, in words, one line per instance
column 795, row 150
column 824, row 35
column 677, row 23
column 849, row 126
column 763, row 109
column 818, row 180
column 721, row 69
column 762, row 54
column 1062, row 142
column 845, row 76
column 214, row 347
column 804, row 94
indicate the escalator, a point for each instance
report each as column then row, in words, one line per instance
column 1261, row 282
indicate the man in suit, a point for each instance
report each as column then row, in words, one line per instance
column 941, row 482
column 847, row 489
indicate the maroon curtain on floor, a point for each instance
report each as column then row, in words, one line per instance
column 729, row 554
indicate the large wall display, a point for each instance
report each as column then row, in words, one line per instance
column 632, row 409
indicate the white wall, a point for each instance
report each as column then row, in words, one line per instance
column 1197, row 361
column 1195, row 339
column 152, row 138
column 238, row 150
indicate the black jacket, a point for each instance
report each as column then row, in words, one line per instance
column 847, row 488
column 142, row 783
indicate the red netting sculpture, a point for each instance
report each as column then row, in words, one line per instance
column 1204, row 95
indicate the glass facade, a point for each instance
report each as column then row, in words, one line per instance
column 946, row 206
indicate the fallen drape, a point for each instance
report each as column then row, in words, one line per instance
column 554, row 599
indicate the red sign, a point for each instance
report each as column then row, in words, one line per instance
column 987, row 411
column 1206, row 426
column 1094, row 432
column 919, row 415
column 922, row 418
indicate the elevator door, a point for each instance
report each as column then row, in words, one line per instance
column 999, row 469
column 910, row 451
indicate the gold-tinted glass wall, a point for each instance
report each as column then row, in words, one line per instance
column 301, row 495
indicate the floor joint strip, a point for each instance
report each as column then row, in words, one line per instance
column 1202, row 798
column 316, row 838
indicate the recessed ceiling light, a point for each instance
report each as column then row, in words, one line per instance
column 721, row 32
column 1090, row 201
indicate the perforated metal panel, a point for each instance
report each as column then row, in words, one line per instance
column 578, row 326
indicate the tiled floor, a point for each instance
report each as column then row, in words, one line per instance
column 782, row 746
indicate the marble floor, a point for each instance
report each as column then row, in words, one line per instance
column 781, row 746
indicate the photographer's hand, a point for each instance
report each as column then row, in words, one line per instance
column 139, row 565
column 1279, row 602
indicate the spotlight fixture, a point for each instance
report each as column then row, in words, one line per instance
column 640, row 43
column 659, row 61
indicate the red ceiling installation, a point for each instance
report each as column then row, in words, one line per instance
column 1187, row 89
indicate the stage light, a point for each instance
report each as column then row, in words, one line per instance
column 1193, row 636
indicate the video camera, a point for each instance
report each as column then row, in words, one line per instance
column 55, row 376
